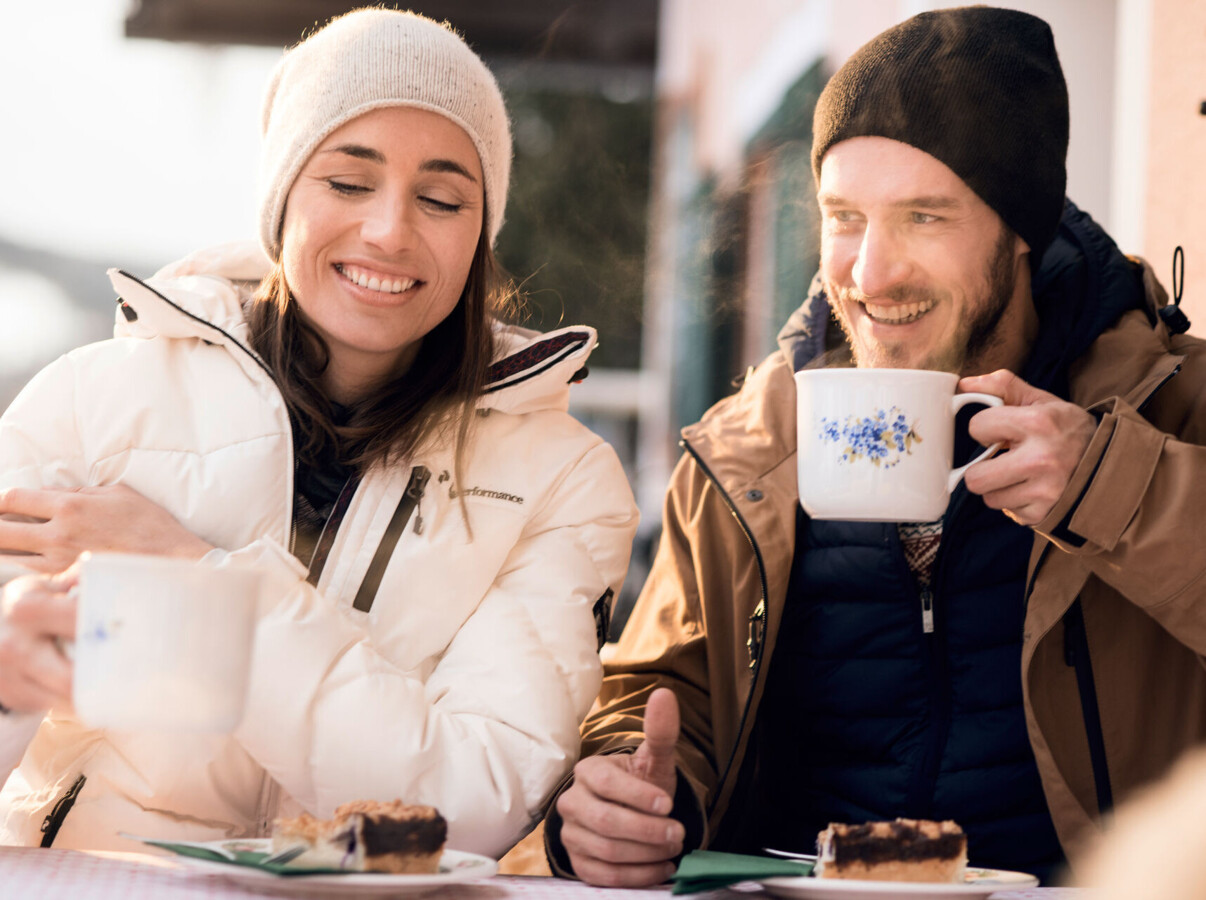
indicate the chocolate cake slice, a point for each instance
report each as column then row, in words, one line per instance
column 367, row 836
column 903, row 850
column 404, row 840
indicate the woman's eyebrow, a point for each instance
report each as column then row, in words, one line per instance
column 359, row 151
column 446, row 165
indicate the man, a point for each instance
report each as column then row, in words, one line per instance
column 804, row 685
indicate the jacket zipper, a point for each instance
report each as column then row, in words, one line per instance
column 927, row 611
column 1076, row 656
column 411, row 497
column 920, row 798
column 757, row 622
column 58, row 814
column 270, row 796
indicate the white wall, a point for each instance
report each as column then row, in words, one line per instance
column 118, row 149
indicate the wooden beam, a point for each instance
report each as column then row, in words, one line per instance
column 609, row 32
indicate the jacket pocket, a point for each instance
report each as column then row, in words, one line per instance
column 58, row 813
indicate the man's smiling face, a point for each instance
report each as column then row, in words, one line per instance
column 920, row 272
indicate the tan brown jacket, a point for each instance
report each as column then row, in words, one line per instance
column 714, row 598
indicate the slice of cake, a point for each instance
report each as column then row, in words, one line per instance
column 904, row 850
column 366, row 836
column 405, row 840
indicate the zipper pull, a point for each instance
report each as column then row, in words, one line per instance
column 414, row 490
column 927, row 610
column 53, row 822
column 757, row 631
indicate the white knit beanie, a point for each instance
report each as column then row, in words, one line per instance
column 365, row 60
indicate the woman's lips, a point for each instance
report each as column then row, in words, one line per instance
column 375, row 281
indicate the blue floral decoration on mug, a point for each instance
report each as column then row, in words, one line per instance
column 99, row 631
column 882, row 438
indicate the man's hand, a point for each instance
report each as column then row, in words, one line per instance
column 50, row 528
column 1046, row 438
column 616, row 824
column 36, row 611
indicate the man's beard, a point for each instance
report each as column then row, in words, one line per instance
column 973, row 340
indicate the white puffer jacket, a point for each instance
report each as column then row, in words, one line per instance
column 461, row 687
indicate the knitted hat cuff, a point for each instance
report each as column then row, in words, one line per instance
column 978, row 88
column 371, row 59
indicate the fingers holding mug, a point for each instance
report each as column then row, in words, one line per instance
column 1047, row 438
column 37, row 615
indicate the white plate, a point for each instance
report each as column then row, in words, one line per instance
column 977, row 883
column 455, row 866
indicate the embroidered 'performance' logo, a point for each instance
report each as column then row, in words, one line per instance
column 453, row 493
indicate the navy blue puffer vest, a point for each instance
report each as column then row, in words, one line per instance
column 868, row 716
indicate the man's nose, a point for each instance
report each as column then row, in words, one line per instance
column 882, row 262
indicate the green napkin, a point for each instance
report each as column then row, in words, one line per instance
column 705, row 870
column 250, row 858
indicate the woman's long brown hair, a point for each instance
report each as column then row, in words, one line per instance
column 433, row 399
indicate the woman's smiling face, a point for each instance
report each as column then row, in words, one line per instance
column 379, row 235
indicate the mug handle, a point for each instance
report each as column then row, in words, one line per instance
column 957, row 403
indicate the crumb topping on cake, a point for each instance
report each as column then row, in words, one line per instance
column 303, row 827
column 394, row 809
column 902, row 839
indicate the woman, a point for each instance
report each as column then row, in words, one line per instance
column 439, row 534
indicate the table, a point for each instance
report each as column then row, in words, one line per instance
column 30, row 872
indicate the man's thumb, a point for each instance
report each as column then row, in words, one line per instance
column 654, row 759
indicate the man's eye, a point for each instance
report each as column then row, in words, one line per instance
column 342, row 187
column 920, row 218
column 842, row 220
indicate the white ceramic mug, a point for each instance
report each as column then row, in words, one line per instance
column 162, row 644
column 876, row 445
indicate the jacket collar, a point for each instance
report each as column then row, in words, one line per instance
column 750, row 434
column 202, row 296
column 533, row 370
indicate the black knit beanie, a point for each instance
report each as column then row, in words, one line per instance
column 978, row 88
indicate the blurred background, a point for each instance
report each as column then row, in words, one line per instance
column 661, row 190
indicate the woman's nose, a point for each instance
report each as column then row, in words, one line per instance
column 389, row 225
column 882, row 263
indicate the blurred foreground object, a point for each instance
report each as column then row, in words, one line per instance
column 1156, row 846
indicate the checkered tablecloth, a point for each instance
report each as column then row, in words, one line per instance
column 71, row 875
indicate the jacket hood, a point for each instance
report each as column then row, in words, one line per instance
column 201, row 297
column 1083, row 285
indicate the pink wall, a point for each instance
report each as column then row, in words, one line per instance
column 1176, row 164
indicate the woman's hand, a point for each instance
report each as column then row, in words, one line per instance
column 36, row 612
column 50, row 528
